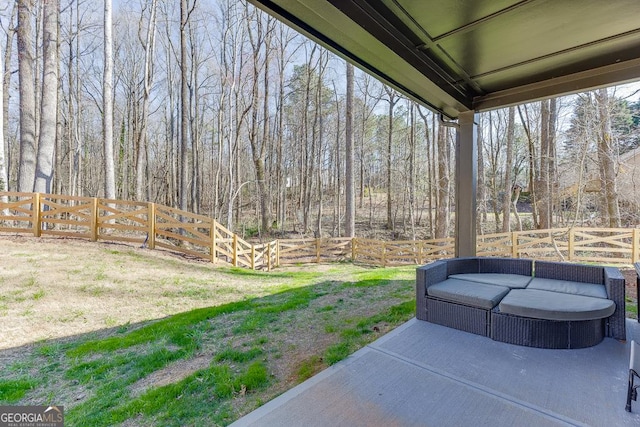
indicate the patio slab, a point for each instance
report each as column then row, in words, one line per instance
column 426, row 374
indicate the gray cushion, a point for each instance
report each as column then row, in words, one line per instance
column 555, row 305
column 569, row 287
column 513, row 281
column 470, row 293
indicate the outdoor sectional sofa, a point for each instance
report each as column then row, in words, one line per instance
column 537, row 304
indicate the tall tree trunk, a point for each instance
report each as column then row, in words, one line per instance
column 320, row 121
column 392, row 102
column 184, row 108
column 411, row 172
column 533, row 170
column 514, row 204
column 265, row 195
column 27, row 171
column 481, row 217
column 607, row 158
column 350, row 202
column 494, row 157
column 149, row 45
column 4, row 179
column 508, row 180
column 281, row 187
column 6, row 82
column 430, row 172
column 73, row 107
column 49, row 104
column 107, row 102
column 544, row 184
column 444, row 187
column 552, row 164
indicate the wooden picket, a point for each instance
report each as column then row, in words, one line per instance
column 183, row 232
column 614, row 245
column 552, row 244
column 497, row 244
column 295, row 251
column 125, row 221
column 66, row 216
column 17, row 214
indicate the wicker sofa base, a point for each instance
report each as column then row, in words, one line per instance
column 461, row 312
column 458, row 316
column 542, row 333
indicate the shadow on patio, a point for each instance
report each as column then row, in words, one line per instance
column 426, row 374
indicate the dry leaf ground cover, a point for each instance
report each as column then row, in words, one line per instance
column 127, row 336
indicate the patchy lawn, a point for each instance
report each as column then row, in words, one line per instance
column 126, row 336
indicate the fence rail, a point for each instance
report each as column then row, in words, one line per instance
column 158, row 226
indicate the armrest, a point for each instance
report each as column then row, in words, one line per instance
column 426, row 276
column 615, row 285
column 430, row 274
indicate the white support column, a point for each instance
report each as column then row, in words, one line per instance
column 466, row 183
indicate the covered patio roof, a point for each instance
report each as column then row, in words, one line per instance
column 459, row 57
column 462, row 55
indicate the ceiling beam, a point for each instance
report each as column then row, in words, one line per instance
column 622, row 72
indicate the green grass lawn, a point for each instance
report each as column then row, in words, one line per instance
column 211, row 365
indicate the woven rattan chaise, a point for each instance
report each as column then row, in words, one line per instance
column 542, row 304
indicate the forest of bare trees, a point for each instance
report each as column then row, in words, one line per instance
column 217, row 108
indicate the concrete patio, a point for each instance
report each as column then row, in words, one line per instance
column 426, row 374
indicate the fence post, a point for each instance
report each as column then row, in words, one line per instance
column 235, row 250
column 318, row 251
column 572, row 237
column 253, row 257
column 384, row 254
column 514, row 244
column 269, row 256
column 354, row 249
column 214, row 250
column 635, row 251
column 94, row 219
column 277, row 253
column 151, row 218
column 37, row 215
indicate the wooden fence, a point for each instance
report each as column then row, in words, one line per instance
column 157, row 226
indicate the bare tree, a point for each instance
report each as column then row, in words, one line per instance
column 508, row 172
column 443, row 215
column 532, row 157
column 482, row 192
column 148, row 45
column 284, row 37
column 429, row 134
column 26, row 60
column 260, row 41
column 107, row 103
column 350, row 202
column 5, row 68
column 392, row 99
column 607, row 159
column 49, row 101
column 542, row 186
column 184, row 108
column 4, row 177
column 411, row 172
